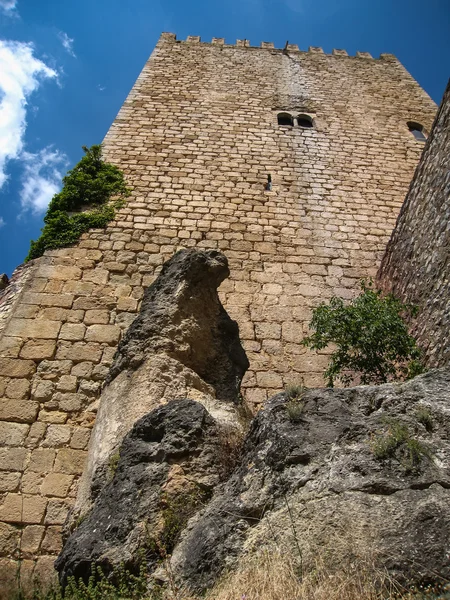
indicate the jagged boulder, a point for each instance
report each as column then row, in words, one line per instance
column 182, row 344
column 364, row 470
column 167, row 467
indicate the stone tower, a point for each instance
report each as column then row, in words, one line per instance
column 203, row 128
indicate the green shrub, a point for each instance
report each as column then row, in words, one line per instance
column 118, row 585
column 370, row 336
column 92, row 192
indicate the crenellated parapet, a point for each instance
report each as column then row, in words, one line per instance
column 288, row 48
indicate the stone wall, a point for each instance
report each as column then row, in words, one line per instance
column 197, row 138
column 416, row 265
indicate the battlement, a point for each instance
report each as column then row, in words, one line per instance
column 288, row 48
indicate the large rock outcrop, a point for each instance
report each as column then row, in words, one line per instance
column 358, row 471
column 364, row 470
column 183, row 344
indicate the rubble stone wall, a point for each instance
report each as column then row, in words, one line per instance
column 197, row 138
column 416, row 266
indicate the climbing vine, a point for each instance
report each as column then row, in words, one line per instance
column 92, row 192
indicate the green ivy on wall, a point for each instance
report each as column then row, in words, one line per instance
column 93, row 190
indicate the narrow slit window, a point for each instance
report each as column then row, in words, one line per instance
column 417, row 130
column 285, row 119
column 304, row 121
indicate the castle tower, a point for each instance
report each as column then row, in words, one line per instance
column 201, row 131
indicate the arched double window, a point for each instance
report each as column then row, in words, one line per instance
column 417, row 130
column 287, row 120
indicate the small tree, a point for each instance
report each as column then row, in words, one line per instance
column 370, row 336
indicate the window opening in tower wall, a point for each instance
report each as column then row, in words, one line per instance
column 417, row 130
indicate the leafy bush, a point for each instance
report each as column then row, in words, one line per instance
column 370, row 335
column 119, row 585
column 91, row 183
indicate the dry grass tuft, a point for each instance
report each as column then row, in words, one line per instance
column 273, row 575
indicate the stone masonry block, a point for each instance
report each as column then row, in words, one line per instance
column 18, row 388
column 31, row 538
column 127, row 304
column 10, row 367
column 56, row 484
column 108, row 334
column 79, row 352
column 9, row 482
column 59, row 272
column 43, row 389
column 96, row 317
column 56, row 512
column 70, row 461
column 61, row 300
column 11, row 508
column 41, row 460
column 12, row 434
column 33, row 509
column 80, row 438
column 10, row 346
column 9, row 539
column 72, row 331
column 19, row 411
column 38, row 349
column 267, row 379
column 12, row 459
column 34, row 328
column 57, row 435
column 53, row 540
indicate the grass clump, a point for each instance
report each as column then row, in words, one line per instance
column 176, row 512
column 230, row 442
column 272, row 574
column 397, row 442
column 91, row 193
column 295, row 405
column 424, row 416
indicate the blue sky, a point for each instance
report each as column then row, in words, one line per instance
column 66, row 66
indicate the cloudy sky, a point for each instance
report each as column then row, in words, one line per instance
column 66, row 66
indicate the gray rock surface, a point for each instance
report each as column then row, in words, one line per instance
column 181, row 315
column 181, row 345
column 170, row 458
column 315, row 482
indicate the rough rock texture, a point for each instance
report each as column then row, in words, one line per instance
column 170, row 456
column 182, row 344
column 416, row 263
column 316, row 483
column 181, row 315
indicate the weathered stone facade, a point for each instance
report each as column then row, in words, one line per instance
column 416, row 266
column 197, row 138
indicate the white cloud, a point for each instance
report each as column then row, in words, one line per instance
column 21, row 74
column 43, row 172
column 2, row 222
column 101, row 88
column 8, row 6
column 67, row 42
